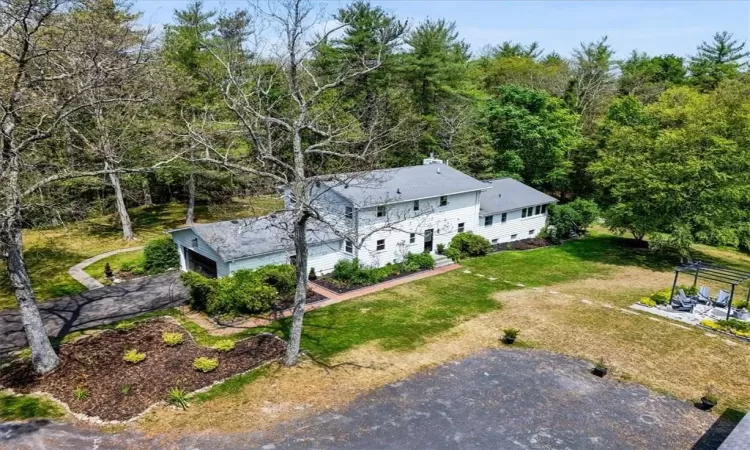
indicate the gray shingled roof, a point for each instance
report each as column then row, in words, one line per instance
column 508, row 194
column 243, row 238
column 403, row 184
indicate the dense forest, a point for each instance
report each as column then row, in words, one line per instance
column 99, row 114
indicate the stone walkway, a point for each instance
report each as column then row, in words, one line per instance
column 96, row 307
column 331, row 299
column 496, row 399
column 87, row 280
column 740, row 437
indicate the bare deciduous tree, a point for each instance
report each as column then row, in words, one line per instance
column 291, row 123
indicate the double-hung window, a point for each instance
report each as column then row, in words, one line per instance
column 416, row 205
column 461, row 227
column 544, row 209
column 380, row 245
column 348, row 212
column 487, row 221
column 443, row 200
column 504, row 218
column 538, row 210
column 348, row 247
column 523, row 213
column 381, row 211
column 412, row 238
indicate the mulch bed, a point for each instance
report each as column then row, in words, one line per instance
column 327, row 283
column 95, row 363
column 523, row 244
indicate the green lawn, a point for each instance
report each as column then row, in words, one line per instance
column 23, row 407
column 115, row 262
column 51, row 252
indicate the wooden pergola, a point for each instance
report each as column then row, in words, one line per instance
column 713, row 272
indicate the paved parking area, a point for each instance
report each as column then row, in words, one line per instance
column 497, row 399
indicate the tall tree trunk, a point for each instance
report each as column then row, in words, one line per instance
column 122, row 210
column 43, row 356
column 300, row 296
column 147, row 200
column 190, row 219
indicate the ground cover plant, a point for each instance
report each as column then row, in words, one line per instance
column 92, row 373
column 351, row 274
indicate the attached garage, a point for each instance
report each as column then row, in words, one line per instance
column 218, row 249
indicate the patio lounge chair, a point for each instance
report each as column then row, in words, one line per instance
column 722, row 300
column 704, row 295
column 682, row 302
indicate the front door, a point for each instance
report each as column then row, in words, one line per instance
column 428, row 241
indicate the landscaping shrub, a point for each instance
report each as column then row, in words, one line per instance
column 81, row 393
column 421, row 261
column 468, row 244
column 224, row 345
column 245, row 292
column 132, row 356
column 125, row 389
column 172, row 339
column 571, row 219
column 125, row 325
column 440, row 249
column 177, row 397
column 204, row 364
column 161, row 255
column 312, row 276
column 200, row 288
column 646, row 301
column 735, row 324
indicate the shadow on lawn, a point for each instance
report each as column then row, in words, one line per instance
column 719, row 431
column 618, row 251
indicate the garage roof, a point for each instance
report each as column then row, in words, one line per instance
column 244, row 238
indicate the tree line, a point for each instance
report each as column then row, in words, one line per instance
column 99, row 113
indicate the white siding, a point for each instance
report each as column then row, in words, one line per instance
column 186, row 239
column 515, row 224
column 322, row 257
column 444, row 220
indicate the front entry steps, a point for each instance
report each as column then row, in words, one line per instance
column 442, row 261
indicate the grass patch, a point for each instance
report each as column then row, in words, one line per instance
column 22, row 407
column 232, row 385
column 51, row 252
column 96, row 270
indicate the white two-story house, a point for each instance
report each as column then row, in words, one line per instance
column 377, row 217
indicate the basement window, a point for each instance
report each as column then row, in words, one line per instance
column 531, row 232
column 514, row 236
column 380, row 245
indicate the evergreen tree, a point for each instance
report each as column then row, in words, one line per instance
column 717, row 60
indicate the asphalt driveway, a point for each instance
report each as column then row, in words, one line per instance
column 96, row 307
column 498, row 399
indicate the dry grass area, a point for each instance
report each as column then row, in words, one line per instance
column 581, row 319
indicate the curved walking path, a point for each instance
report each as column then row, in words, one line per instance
column 87, row 280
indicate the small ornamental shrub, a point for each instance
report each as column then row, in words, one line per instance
column 161, row 255
column 172, row 339
column 511, row 333
column 712, row 324
column 661, row 297
column 470, row 244
column 125, row 325
column 421, row 261
column 312, row 276
column 601, row 364
column 224, row 345
column 133, row 356
column 177, row 397
column 81, row 393
column 440, row 249
column 127, row 266
column 24, row 354
column 204, row 364
column 646, row 301
column 125, row 389
column 108, row 271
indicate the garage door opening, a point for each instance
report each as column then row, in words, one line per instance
column 199, row 263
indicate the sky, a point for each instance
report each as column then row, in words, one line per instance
column 656, row 27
